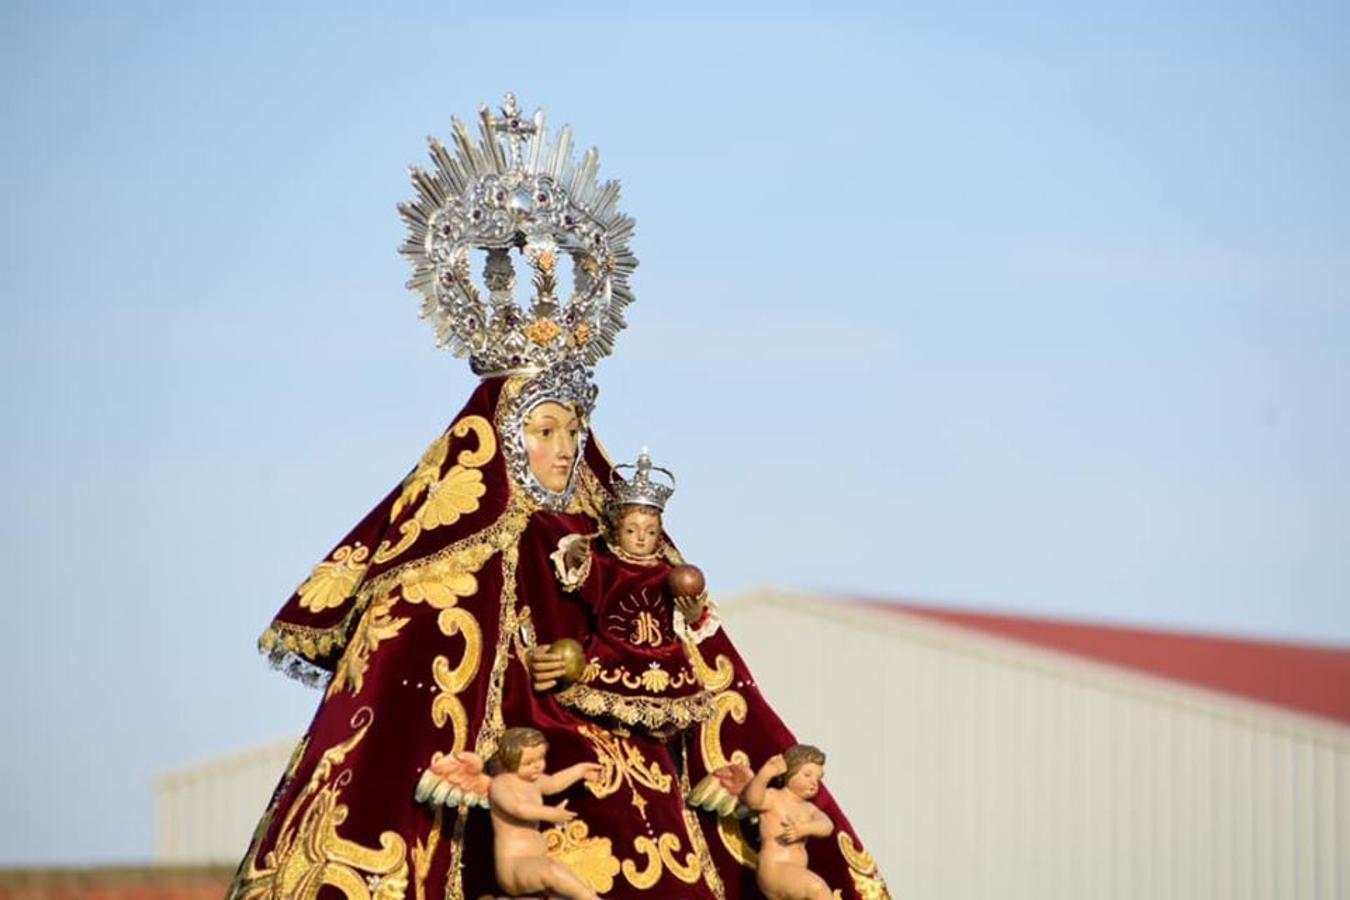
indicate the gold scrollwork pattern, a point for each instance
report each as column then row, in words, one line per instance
column 729, row 828
column 653, row 678
column 448, row 497
column 867, row 881
column 422, row 853
column 622, row 763
column 311, row 854
column 661, row 854
column 714, row 678
column 375, row 626
column 591, row 858
column 423, row 475
column 334, row 581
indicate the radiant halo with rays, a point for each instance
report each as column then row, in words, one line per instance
column 508, row 190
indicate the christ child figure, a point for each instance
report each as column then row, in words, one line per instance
column 781, row 793
column 516, row 797
column 633, row 667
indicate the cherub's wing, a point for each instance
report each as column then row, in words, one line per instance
column 720, row 791
column 453, row 779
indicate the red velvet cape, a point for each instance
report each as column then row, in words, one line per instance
column 419, row 620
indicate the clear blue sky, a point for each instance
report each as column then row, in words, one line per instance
column 1041, row 308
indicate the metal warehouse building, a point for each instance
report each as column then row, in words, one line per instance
column 987, row 756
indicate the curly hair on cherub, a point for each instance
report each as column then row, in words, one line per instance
column 512, row 744
column 795, row 757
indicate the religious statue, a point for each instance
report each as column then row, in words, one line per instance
column 440, row 617
column 638, row 672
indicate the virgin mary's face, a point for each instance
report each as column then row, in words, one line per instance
column 551, row 432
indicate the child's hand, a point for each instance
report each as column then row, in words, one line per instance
column 691, row 608
column 775, row 765
column 560, row 813
column 590, row 771
column 790, row 833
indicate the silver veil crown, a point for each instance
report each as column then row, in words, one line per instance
column 509, row 190
column 641, row 490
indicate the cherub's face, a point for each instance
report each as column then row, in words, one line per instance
column 639, row 531
column 805, row 782
column 532, row 762
column 551, row 434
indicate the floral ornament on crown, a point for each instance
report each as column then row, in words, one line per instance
column 509, row 192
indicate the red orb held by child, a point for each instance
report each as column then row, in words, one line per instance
column 686, row 581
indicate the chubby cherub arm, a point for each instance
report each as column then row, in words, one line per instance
column 510, row 802
column 565, row 778
column 756, row 795
column 817, row 824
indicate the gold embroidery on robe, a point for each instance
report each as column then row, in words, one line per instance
column 661, row 854
column 310, row 853
column 449, row 497
column 714, row 679
column 655, row 713
column 422, row 853
column 729, row 828
column 333, row 582
column 622, row 763
column 590, row 858
column 426, row 472
column 867, row 881
column 376, row 625
column 653, row 678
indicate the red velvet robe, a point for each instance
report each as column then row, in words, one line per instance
column 420, row 619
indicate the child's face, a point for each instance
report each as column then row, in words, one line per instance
column 640, row 531
column 532, row 762
column 805, row 782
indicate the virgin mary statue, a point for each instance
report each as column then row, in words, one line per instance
column 427, row 626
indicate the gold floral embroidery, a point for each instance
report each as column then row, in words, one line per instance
column 334, row 581
column 623, row 763
column 867, row 881
column 591, row 858
column 660, row 855
column 376, row 625
column 654, row 713
column 424, row 475
column 310, row 854
column 653, row 678
column 453, row 495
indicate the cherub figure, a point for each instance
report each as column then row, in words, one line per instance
column 515, row 795
column 781, row 793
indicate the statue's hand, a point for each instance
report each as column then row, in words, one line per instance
column 546, row 668
column 775, row 765
column 790, row 834
column 559, row 814
column 692, row 607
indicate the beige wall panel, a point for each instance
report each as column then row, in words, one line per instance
column 1014, row 772
column 978, row 768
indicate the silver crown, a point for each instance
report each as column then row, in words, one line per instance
column 509, row 190
column 640, row 490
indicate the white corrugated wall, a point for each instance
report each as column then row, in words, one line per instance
column 980, row 768
column 206, row 813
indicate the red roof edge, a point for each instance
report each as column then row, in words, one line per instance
column 1305, row 678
